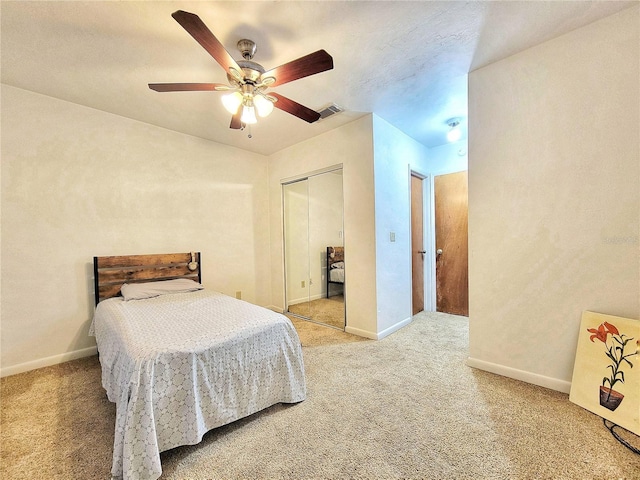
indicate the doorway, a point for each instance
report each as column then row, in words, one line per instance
column 451, row 234
column 422, row 265
column 418, row 250
column 313, row 230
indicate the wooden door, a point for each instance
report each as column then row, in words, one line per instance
column 417, row 244
column 451, row 215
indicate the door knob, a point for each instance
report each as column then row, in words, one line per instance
column 439, row 251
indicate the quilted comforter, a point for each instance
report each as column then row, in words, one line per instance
column 179, row 365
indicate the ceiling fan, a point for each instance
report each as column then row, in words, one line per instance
column 248, row 80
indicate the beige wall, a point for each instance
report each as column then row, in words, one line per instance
column 554, row 202
column 377, row 158
column 77, row 182
column 395, row 155
column 352, row 146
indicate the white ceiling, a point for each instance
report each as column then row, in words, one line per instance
column 405, row 61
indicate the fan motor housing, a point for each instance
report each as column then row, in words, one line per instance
column 251, row 71
column 247, row 48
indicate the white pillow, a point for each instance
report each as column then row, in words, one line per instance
column 137, row 291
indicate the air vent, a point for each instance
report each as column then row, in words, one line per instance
column 330, row 110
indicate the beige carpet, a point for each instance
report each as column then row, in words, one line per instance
column 329, row 311
column 405, row 407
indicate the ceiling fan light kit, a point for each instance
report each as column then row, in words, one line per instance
column 247, row 79
column 232, row 102
column 263, row 104
column 250, row 101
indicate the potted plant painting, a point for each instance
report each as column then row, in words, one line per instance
column 614, row 345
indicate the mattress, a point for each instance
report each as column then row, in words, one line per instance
column 178, row 365
column 336, row 275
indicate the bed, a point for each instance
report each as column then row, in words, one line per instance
column 335, row 267
column 179, row 360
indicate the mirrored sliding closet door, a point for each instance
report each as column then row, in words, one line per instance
column 314, row 248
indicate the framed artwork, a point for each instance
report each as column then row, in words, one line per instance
column 606, row 374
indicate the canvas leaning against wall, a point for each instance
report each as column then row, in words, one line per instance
column 606, row 375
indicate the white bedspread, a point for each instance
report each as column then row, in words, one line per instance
column 179, row 365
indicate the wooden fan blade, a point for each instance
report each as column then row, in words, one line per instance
column 199, row 31
column 311, row 64
column 294, row 108
column 236, row 124
column 185, row 87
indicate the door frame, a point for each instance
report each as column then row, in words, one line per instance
column 429, row 231
column 428, row 238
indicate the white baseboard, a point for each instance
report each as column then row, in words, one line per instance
column 533, row 378
column 47, row 361
column 310, row 298
column 361, row 333
column 380, row 335
column 394, row 328
column 296, row 301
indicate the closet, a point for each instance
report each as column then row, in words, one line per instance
column 313, row 210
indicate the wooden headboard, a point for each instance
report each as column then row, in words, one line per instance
column 110, row 273
column 334, row 255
